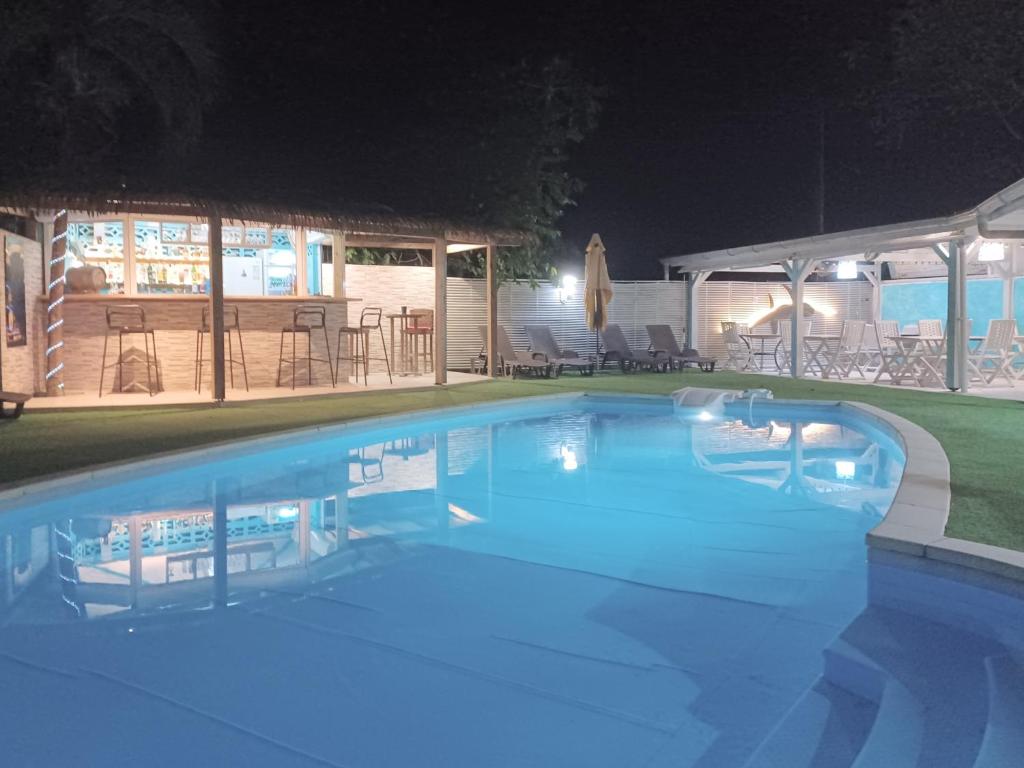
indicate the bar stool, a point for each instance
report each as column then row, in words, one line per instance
column 359, row 343
column 230, row 326
column 421, row 326
column 306, row 318
column 126, row 320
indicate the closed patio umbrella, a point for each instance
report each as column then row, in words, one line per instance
column 597, row 291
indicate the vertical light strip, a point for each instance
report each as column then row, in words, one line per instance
column 55, row 309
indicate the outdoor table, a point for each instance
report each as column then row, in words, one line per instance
column 818, row 349
column 762, row 339
column 401, row 359
column 921, row 356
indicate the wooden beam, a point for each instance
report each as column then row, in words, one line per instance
column 217, row 306
column 492, row 311
column 440, row 310
column 798, row 272
column 693, row 282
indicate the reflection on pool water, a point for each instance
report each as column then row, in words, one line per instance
column 593, row 582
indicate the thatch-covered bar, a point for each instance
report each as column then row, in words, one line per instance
column 187, row 266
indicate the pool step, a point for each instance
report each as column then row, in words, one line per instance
column 824, row 729
column 1003, row 742
column 897, row 733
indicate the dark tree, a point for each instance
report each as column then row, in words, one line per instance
column 87, row 85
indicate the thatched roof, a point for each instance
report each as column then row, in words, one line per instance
column 349, row 218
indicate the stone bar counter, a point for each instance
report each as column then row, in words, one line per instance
column 175, row 320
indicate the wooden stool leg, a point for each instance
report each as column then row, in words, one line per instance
column 199, row 361
column 280, row 359
column 231, row 359
column 327, row 351
column 156, row 364
column 149, row 376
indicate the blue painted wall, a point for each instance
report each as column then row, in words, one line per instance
column 910, row 302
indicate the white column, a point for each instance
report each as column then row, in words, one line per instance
column 492, row 311
column 440, row 310
column 694, row 280
column 797, row 272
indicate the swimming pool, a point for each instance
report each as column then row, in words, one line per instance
column 564, row 582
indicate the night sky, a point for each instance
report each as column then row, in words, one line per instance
column 709, row 135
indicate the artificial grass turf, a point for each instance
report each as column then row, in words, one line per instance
column 983, row 438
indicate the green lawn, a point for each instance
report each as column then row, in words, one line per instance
column 982, row 437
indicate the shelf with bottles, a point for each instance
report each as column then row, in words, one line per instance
column 194, row 276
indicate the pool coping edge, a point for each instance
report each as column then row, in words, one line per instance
column 915, row 524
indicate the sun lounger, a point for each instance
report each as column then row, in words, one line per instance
column 663, row 341
column 616, row 349
column 542, row 342
column 17, row 399
column 516, row 361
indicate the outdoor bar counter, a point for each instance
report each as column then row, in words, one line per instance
column 175, row 320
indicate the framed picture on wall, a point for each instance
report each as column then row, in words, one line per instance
column 14, row 293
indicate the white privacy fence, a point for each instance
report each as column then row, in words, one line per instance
column 634, row 306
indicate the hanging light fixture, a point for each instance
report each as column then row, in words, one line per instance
column 846, row 270
column 992, row 250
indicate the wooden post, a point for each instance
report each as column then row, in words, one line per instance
column 338, row 261
column 440, row 310
column 55, row 306
column 492, row 312
column 217, row 306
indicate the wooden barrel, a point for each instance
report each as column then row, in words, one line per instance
column 86, row 279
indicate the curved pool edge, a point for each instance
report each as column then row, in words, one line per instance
column 915, row 524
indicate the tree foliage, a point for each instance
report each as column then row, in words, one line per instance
column 84, row 82
column 951, row 58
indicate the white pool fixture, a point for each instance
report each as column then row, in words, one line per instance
column 707, row 404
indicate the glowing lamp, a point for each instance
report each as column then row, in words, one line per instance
column 705, row 416
column 569, row 463
column 846, row 470
column 847, row 270
column 992, row 250
column 567, row 289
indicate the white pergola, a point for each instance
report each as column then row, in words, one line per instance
column 953, row 239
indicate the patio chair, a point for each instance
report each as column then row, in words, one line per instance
column 543, row 344
column 929, row 327
column 888, row 357
column 848, row 353
column 741, row 356
column 784, row 349
column 617, row 349
column 663, row 342
column 995, row 355
column 16, row 399
column 515, row 361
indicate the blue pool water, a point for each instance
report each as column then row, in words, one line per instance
column 591, row 582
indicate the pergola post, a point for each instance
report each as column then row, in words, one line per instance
column 667, row 272
column 217, row 306
column 440, row 310
column 797, row 272
column 492, row 312
column 873, row 274
column 55, row 305
column 956, row 314
column 694, row 280
column 338, row 262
